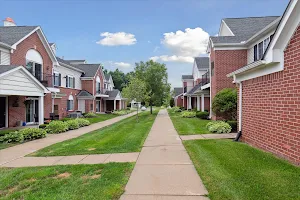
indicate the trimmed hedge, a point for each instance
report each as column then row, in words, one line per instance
column 218, row 127
column 202, row 115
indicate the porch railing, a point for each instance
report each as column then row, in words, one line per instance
column 205, row 78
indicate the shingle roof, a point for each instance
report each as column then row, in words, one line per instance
column 194, row 89
column 112, row 93
column 107, row 76
column 202, row 62
column 12, row 34
column 70, row 61
column 243, row 28
column 89, row 69
column 5, row 68
column 84, row 93
column 178, row 91
column 187, row 77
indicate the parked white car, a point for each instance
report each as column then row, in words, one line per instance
column 143, row 108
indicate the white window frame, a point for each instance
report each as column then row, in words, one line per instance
column 70, row 102
column 33, row 68
column 70, row 77
column 265, row 44
column 54, row 76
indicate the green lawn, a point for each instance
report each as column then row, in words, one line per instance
column 188, row 126
column 127, row 135
column 105, row 182
column 235, row 171
column 101, row 117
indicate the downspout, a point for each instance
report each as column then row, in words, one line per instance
column 240, row 112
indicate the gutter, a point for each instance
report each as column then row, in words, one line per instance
column 247, row 68
column 238, row 136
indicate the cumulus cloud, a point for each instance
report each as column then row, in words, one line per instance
column 117, row 39
column 184, row 45
column 174, row 58
column 122, row 64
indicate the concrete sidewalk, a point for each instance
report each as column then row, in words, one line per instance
column 164, row 170
column 15, row 152
column 72, row 160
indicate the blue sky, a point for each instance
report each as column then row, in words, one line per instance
column 134, row 30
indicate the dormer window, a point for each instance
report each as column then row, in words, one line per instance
column 260, row 48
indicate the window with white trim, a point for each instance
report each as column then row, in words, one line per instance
column 98, row 85
column 70, row 81
column 260, row 48
column 70, row 103
column 56, row 78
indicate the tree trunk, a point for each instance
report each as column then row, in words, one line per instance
column 137, row 114
column 150, row 106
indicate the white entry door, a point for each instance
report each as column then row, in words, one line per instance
column 81, row 105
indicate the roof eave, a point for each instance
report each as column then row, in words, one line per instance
column 246, row 68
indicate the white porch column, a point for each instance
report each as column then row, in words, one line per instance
column 190, row 102
column 120, row 104
column 115, row 105
column 41, row 110
column 202, row 102
column 183, row 105
column 198, row 103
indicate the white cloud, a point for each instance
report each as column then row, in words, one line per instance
column 156, row 49
column 184, row 45
column 117, row 39
column 174, row 58
column 122, row 64
column 191, row 42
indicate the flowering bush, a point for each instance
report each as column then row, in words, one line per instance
column 218, row 127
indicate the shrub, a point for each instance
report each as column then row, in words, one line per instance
column 233, row 125
column 120, row 112
column 32, row 133
column 188, row 114
column 176, row 109
column 225, row 104
column 57, row 127
column 90, row 115
column 43, row 126
column 72, row 124
column 66, row 119
column 12, row 137
column 82, row 122
column 218, row 127
column 202, row 115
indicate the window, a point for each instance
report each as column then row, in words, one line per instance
column 98, row 85
column 34, row 63
column 98, row 106
column 56, row 79
column 91, row 108
column 255, row 53
column 70, row 103
column 70, row 82
column 260, row 49
column 212, row 68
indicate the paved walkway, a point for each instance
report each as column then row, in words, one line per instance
column 164, row 170
column 15, row 152
column 72, row 160
column 209, row 136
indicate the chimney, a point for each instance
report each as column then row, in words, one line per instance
column 9, row 22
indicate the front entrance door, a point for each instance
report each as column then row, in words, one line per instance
column 32, row 111
column 2, row 111
column 81, row 105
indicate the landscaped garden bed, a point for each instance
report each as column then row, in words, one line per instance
column 125, row 136
column 232, row 170
column 105, row 181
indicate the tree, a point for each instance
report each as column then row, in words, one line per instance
column 136, row 90
column 119, row 79
column 225, row 104
column 155, row 77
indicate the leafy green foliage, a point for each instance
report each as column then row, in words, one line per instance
column 43, row 126
column 90, row 115
column 32, row 133
column 176, row 109
column 218, row 127
column 57, row 127
column 82, row 122
column 12, row 137
column 120, row 112
column 233, row 125
column 202, row 115
column 72, row 124
column 188, row 114
column 225, row 104
column 120, row 78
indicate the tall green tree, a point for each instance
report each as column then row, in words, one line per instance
column 119, row 79
column 136, row 90
column 155, row 77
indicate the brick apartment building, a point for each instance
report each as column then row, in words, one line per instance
column 260, row 57
column 35, row 84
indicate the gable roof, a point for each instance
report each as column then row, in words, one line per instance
column 5, row 68
column 107, row 76
column 194, row 89
column 244, row 28
column 12, row 34
column 178, row 91
column 89, row 69
column 202, row 62
column 68, row 64
column 84, row 93
column 187, row 77
column 113, row 93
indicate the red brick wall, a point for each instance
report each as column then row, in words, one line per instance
column 16, row 113
column 207, row 103
column 271, row 107
column 225, row 62
column 179, row 101
column 88, row 86
column 62, row 103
